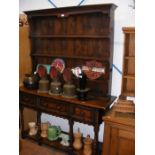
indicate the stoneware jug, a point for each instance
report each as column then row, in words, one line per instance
column 53, row 132
column 77, row 144
column 87, row 146
column 32, row 128
column 44, row 129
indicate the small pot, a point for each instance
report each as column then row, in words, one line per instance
column 30, row 81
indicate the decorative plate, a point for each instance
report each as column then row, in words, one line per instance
column 91, row 69
column 41, row 70
column 67, row 75
column 59, row 64
column 53, row 73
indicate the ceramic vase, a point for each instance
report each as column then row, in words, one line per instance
column 87, row 146
column 32, row 128
column 44, row 129
column 77, row 144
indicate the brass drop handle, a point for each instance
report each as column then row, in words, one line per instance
column 59, row 107
column 82, row 113
column 44, row 104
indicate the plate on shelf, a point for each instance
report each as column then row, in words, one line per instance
column 59, row 64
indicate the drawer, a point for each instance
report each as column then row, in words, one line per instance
column 28, row 99
column 56, row 107
column 83, row 114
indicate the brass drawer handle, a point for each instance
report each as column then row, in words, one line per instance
column 82, row 113
column 44, row 104
column 59, row 108
column 26, row 99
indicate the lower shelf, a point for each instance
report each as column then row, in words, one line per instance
column 55, row 144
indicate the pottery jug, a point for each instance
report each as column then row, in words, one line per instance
column 44, row 129
column 53, row 132
column 87, row 146
column 32, row 128
column 55, row 87
column 77, row 144
column 69, row 90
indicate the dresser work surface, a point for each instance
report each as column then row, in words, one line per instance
column 88, row 112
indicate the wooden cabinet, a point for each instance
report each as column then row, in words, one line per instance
column 119, row 134
column 128, row 79
column 76, row 35
column 88, row 112
column 24, row 58
column 24, row 53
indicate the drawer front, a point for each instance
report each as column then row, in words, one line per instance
column 56, row 107
column 83, row 114
column 28, row 99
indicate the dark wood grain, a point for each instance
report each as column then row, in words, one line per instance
column 75, row 34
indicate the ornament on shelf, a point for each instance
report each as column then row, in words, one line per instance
column 44, row 82
column 93, row 69
column 32, row 128
column 44, row 129
column 55, row 86
column 42, row 72
column 65, row 139
column 59, row 64
column 77, row 144
column 68, row 87
column 87, row 146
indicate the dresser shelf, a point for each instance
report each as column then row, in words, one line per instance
column 71, row 36
column 128, row 77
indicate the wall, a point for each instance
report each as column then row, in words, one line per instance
column 124, row 17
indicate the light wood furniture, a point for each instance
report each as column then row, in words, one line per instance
column 75, row 34
column 119, row 134
column 24, row 53
column 128, row 79
column 25, row 67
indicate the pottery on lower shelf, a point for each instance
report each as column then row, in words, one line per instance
column 53, row 133
column 32, row 128
column 44, row 129
column 77, row 144
column 65, row 139
column 87, row 146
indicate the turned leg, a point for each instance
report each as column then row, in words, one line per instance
column 71, row 123
column 23, row 133
column 96, row 131
column 39, row 127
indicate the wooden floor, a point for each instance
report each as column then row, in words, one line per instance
column 32, row 148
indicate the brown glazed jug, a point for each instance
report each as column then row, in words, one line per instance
column 77, row 144
column 87, row 146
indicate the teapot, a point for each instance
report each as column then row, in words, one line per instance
column 53, row 132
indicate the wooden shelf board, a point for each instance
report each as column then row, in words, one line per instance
column 56, row 144
column 129, row 57
column 128, row 93
column 129, row 77
column 71, row 36
column 70, row 57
